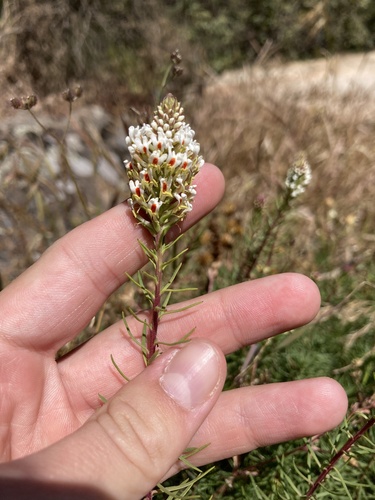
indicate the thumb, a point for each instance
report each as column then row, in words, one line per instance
column 133, row 441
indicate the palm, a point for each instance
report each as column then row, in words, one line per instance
column 36, row 409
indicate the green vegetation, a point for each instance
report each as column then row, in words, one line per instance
column 252, row 127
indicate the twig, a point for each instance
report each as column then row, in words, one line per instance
column 339, row 455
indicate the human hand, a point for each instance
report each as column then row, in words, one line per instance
column 56, row 440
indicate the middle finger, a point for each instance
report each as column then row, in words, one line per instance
column 232, row 318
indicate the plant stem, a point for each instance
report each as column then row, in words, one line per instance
column 253, row 256
column 338, row 455
column 164, row 81
column 63, row 156
column 155, row 310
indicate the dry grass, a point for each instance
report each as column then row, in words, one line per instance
column 254, row 126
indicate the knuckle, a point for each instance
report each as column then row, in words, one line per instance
column 137, row 437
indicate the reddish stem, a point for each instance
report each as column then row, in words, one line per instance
column 152, row 334
column 338, row 455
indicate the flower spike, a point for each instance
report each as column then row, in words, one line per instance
column 164, row 161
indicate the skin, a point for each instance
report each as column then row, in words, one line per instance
column 57, row 439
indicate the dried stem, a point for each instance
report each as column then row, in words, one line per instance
column 61, row 143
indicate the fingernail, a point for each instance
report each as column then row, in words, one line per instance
column 192, row 375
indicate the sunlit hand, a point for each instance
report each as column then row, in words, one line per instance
column 51, row 418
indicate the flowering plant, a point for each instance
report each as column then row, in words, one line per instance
column 298, row 177
column 164, row 161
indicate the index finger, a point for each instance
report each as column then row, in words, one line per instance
column 53, row 300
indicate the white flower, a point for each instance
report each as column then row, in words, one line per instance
column 135, row 188
column 164, row 161
column 298, row 177
column 154, row 204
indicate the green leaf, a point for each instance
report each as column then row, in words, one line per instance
column 144, row 345
column 173, row 311
column 182, row 340
column 147, row 293
column 189, row 452
column 173, row 259
column 171, row 279
column 166, row 302
column 151, row 276
column 169, row 245
column 130, row 278
column 140, row 279
column 119, row 370
column 136, row 341
column 102, row 398
column 185, row 486
column 135, row 316
column 150, row 253
column 193, row 450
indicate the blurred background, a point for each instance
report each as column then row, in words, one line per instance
column 261, row 82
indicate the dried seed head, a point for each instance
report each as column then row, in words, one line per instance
column 25, row 102
column 70, row 95
column 16, row 103
column 176, row 57
column 177, row 71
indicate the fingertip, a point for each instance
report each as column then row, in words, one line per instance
column 210, row 185
column 284, row 301
column 302, row 286
column 194, row 375
column 332, row 402
column 210, row 180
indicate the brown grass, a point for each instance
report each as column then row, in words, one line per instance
column 253, row 126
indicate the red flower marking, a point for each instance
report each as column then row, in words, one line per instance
column 130, row 166
column 147, row 178
column 164, row 187
column 144, row 149
column 159, row 145
column 172, row 162
column 138, row 191
column 185, row 164
column 153, row 208
column 155, row 161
